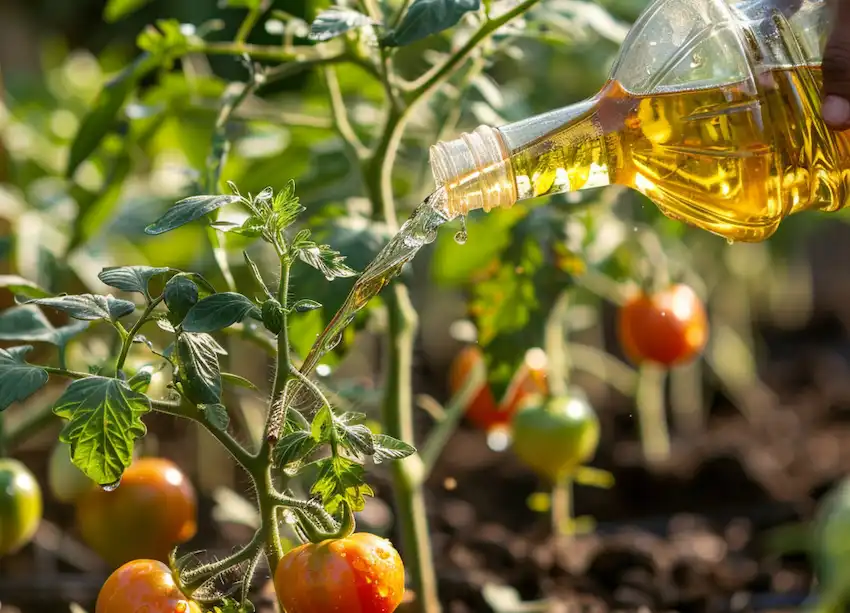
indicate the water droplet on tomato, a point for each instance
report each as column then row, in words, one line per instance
column 383, row 591
column 181, row 607
column 111, row 487
column 383, row 553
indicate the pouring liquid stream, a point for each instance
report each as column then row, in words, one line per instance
column 419, row 230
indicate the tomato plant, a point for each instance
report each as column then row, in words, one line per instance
column 152, row 511
column 20, row 505
column 669, row 327
column 483, row 410
column 361, row 572
column 555, row 437
column 143, row 586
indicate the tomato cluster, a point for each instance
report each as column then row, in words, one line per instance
column 669, row 327
column 152, row 511
column 362, row 572
column 483, row 411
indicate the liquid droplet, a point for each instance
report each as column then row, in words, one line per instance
column 461, row 237
column 730, row 241
column 111, row 487
column 383, row 554
column 498, row 439
column 181, row 607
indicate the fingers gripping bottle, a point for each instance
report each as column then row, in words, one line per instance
column 712, row 111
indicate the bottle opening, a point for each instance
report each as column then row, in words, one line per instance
column 475, row 171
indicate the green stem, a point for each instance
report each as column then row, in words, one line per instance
column 268, row 514
column 283, row 363
column 562, row 506
column 652, row 417
column 128, row 340
column 250, row 21
column 192, row 580
column 62, row 372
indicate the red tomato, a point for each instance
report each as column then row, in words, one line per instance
column 152, row 511
column 143, row 586
column 483, row 411
column 669, row 328
column 362, row 573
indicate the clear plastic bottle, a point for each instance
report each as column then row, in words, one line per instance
column 712, row 111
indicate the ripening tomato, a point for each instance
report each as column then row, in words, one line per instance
column 153, row 510
column 483, row 411
column 143, row 586
column 361, row 573
column 66, row 481
column 669, row 328
column 555, row 438
column 20, row 505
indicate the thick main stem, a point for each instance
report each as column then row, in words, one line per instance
column 397, row 417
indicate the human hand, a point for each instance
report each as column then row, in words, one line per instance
column 836, row 70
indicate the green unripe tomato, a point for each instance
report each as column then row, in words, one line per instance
column 555, row 438
column 831, row 542
column 20, row 505
column 272, row 316
column 66, row 481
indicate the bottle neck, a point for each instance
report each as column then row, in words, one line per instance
column 554, row 152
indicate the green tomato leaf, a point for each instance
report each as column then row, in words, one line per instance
column 293, row 448
column 118, row 9
column 140, row 381
column 189, row 210
column 89, row 307
column 200, row 373
column 322, row 425
column 335, row 21
column 23, row 287
column 217, row 415
column 427, row 17
column 239, row 4
column 389, row 448
column 356, row 439
column 327, row 261
column 104, row 421
column 131, row 278
column 102, row 115
column 164, row 40
column 237, row 380
column 28, row 323
column 351, row 417
column 220, row 311
column 295, row 422
column 181, row 294
column 341, row 479
column 286, row 208
column 18, row 380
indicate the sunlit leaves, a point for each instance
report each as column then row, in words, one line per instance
column 219, row 311
column 104, row 421
column 102, row 115
column 341, row 479
column 293, row 448
column 23, row 287
column 189, row 210
column 164, row 40
column 118, row 9
column 89, row 307
column 18, row 380
column 427, row 17
column 199, row 372
column 28, row 323
column 335, row 21
column 131, row 278
column 388, row 448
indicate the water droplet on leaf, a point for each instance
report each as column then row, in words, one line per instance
column 461, row 237
column 111, row 487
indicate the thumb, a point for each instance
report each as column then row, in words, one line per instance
column 836, row 70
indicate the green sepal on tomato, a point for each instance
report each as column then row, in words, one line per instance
column 20, row 505
column 484, row 411
column 556, row 435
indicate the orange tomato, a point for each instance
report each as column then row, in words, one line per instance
column 669, row 328
column 483, row 411
column 153, row 510
column 362, row 573
column 143, row 586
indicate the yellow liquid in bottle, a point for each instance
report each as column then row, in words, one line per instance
column 734, row 160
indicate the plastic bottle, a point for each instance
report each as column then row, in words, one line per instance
column 712, row 111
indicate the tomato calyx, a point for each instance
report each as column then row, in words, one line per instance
column 310, row 531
